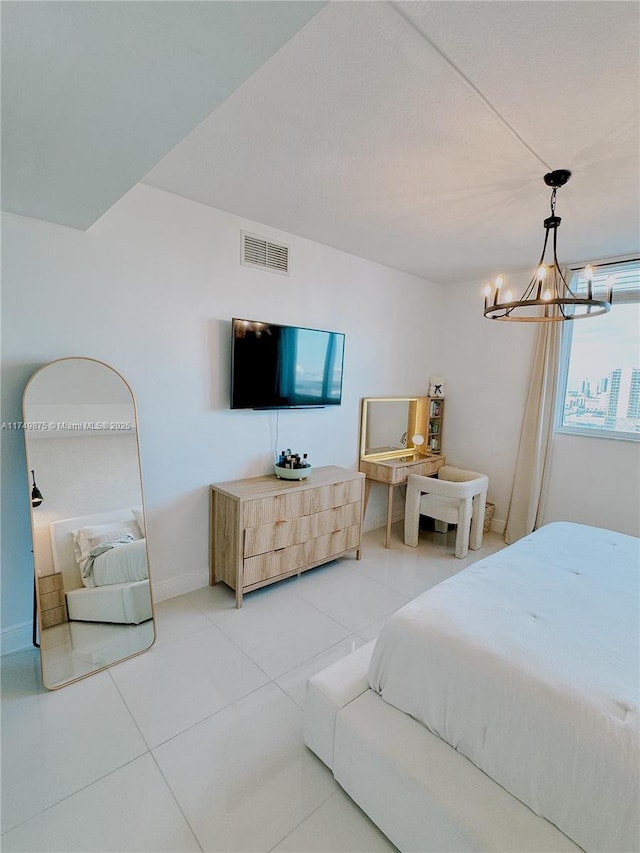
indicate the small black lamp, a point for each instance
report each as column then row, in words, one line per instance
column 36, row 494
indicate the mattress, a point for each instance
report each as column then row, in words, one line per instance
column 121, row 563
column 527, row 663
column 128, row 603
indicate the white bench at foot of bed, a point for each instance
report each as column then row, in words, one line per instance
column 127, row 603
column 423, row 794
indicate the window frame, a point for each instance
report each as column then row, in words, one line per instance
column 564, row 357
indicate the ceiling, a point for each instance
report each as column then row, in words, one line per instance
column 413, row 134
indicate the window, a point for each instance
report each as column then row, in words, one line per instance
column 599, row 377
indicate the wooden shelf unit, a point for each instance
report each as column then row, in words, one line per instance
column 264, row 529
column 51, row 600
column 434, row 424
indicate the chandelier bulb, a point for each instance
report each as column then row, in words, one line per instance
column 508, row 297
column 546, row 295
column 610, row 282
column 542, row 272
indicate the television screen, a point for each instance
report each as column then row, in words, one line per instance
column 280, row 367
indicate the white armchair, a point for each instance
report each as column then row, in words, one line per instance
column 455, row 497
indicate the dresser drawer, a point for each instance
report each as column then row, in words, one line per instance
column 53, row 617
column 281, row 534
column 49, row 583
column 337, row 494
column 285, row 507
column 424, row 469
column 324, row 547
column 298, row 557
column 275, row 563
column 49, row 600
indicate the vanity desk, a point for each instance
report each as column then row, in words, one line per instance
column 394, row 472
column 392, row 433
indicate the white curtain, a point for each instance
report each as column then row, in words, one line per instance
column 536, row 438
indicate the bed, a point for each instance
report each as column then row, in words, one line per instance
column 111, row 585
column 498, row 710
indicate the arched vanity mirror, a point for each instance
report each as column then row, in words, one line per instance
column 94, row 603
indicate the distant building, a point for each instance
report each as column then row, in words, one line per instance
column 624, row 395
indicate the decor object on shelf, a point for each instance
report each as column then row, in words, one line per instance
column 455, row 497
column 548, row 297
column 436, row 386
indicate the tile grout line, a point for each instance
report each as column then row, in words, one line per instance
column 177, row 802
column 77, row 791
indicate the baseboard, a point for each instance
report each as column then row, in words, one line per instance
column 373, row 522
column 162, row 590
column 16, row 637
column 498, row 525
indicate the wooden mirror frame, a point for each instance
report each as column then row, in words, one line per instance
column 417, row 423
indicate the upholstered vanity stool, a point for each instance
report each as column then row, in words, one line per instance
column 455, row 497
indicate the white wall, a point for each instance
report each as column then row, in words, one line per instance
column 487, row 364
column 151, row 289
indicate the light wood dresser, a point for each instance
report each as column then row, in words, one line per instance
column 264, row 529
column 51, row 602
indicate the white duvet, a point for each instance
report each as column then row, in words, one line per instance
column 528, row 663
column 119, row 562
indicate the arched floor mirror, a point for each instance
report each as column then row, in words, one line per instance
column 92, row 587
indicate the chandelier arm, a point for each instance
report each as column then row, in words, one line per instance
column 559, row 268
column 534, row 279
column 557, row 273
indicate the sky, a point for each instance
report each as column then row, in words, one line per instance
column 602, row 344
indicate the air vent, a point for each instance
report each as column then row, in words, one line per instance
column 259, row 253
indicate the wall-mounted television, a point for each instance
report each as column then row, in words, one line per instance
column 284, row 367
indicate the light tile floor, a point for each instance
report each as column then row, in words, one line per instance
column 197, row 744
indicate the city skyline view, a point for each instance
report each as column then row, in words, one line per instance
column 603, row 376
column 604, row 344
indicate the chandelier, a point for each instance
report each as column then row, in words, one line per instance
column 548, row 297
